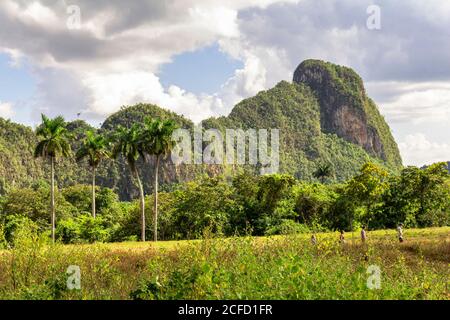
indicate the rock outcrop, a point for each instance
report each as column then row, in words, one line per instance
column 345, row 109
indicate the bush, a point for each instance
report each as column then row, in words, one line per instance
column 27, row 251
column 35, row 205
column 287, row 227
column 92, row 230
column 3, row 242
column 68, row 231
column 83, row 229
column 314, row 202
column 436, row 218
column 13, row 225
column 201, row 204
column 80, row 196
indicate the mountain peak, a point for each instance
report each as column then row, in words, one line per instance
column 345, row 109
column 321, row 73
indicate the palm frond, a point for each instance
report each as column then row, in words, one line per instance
column 54, row 138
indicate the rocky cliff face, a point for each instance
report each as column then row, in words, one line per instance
column 346, row 110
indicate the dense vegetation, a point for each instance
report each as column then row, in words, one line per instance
column 303, row 143
column 238, row 268
column 19, row 168
column 240, row 204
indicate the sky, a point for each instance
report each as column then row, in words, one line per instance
column 199, row 58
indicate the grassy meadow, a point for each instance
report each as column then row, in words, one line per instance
column 278, row 267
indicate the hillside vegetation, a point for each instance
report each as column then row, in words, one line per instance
column 330, row 121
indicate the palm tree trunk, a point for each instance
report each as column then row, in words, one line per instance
column 155, row 209
column 93, row 192
column 52, row 195
column 142, row 204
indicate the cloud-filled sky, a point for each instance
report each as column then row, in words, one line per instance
column 199, row 58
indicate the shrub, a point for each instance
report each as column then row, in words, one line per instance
column 83, row 229
column 92, row 230
column 13, row 224
column 286, row 227
column 3, row 242
column 80, row 196
column 68, row 231
column 34, row 204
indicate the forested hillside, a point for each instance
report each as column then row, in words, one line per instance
column 294, row 110
column 324, row 117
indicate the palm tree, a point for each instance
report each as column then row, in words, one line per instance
column 128, row 144
column 54, row 143
column 323, row 171
column 95, row 148
column 157, row 141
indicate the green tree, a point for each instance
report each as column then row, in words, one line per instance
column 128, row 144
column 33, row 204
column 313, row 203
column 418, row 197
column 261, row 202
column 157, row 141
column 273, row 189
column 54, row 143
column 95, row 149
column 205, row 203
column 368, row 187
column 431, row 189
column 323, row 171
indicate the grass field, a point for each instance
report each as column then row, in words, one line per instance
column 413, row 234
column 281, row 267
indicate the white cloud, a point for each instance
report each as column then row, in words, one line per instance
column 113, row 60
column 15, row 57
column 115, row 57
column 6, row 110
column 111, row 91
column 417, row 150
column 246, row 82
column 415, row 103
column 37, row 13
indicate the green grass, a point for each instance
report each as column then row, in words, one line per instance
column 415, row 234
column 280, row 267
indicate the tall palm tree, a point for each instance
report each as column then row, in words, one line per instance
column 323, row 171
column 95, row 149
column 157, row 141
column 128, row 144
column 53, row 144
